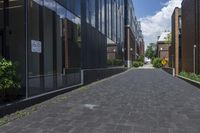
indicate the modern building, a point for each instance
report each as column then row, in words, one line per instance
column 44, row 38
column 53, row 40
column 163, row 45
column 175, row 48
column 132, row 34
column 141, row 47
column 190, row 36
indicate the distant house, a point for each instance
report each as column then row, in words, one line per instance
column 163, row 45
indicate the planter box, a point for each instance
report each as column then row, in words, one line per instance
column 192, row 82
column 168, row 70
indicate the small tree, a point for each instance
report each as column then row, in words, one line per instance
column 151, row 51
column 168, row 39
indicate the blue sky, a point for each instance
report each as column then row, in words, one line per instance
column 155, row 17
column 145, row 8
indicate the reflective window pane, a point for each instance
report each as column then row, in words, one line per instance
column 51, row 4
column 90, row 12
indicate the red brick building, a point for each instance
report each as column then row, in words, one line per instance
column 190, row 36
column 175, row 48
column 163, row 46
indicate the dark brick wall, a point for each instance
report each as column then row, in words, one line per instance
column 129, row 43
column 174, row 50
column 190, row 34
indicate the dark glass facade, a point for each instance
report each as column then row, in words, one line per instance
column 52, row 40
column 12, row 34
column 44, row 38
column 133, row 34
column 54, row 53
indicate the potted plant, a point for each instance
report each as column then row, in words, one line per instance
column 9, row 82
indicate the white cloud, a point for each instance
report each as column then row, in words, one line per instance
column 152, row 26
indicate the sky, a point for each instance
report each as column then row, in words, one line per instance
column 155, row 16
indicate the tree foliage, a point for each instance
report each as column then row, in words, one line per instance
column 168, row 39
column 151, row 51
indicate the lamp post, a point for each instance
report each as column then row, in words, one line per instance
column 123, row 54
column 194, row 57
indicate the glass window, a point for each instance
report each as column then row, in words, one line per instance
column 35, row 30
column 99, row 15
column 48, row 41
column 72, row 44
column 90, row 12
column 114, row 19
column 108, row 18
column 50, row 4
column 103, row 16
column 61, row 11
column 14, row 35
column 1, row 26
column 39, row 2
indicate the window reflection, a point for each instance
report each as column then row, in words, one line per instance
column 39, row 2
column 58, row 30
column 90, row 12
column 61, row 11
column 51, row 4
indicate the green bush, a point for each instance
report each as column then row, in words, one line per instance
column 140, row 58
column 157, row 63
column 9, row 83
column 138, row 64
column 191, row 76
column 115, row 62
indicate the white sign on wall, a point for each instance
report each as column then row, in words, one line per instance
column 36, row 46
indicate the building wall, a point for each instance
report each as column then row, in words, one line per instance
column 52, row 40
column 190, row 35
column 130, row 45
column 174, row 53
column 112, row 52
column 101, row 19
column 133, row 33
column 141, row 47
column 12, row 35
column 163, row 51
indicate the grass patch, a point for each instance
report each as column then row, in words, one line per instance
column 191, row 76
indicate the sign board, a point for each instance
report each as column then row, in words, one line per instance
column 164, row 62
column 36, row 46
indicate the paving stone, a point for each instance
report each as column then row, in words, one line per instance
column 137, row 101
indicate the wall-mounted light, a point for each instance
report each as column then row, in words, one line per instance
column 123, row 50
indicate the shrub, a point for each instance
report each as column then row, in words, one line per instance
column 137, row 64
column 140, row 58
column 9, row 83
column 157, row 63
column 115, row 62
column 191, row 76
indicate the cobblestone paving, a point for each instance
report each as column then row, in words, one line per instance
column 137, row 101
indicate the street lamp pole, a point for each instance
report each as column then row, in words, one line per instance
column 194, row 57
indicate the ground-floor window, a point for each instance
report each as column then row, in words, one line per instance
column 54, row 47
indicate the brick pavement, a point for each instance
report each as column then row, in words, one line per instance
column 137, row 101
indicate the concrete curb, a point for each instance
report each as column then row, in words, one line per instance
column 192, row 82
